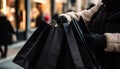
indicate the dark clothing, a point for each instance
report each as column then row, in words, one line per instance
column 96, row 41
column 107, row 19
column 111, row 2
column 6, row 31
column 39, row 20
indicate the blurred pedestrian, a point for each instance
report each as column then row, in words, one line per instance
column 40, row 17
column 6, row 32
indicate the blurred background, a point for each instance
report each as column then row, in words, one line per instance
column 26, row 15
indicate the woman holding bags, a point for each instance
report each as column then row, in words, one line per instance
column 103, row 22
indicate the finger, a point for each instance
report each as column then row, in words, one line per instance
column 72, row 15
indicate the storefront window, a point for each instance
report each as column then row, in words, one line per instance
column 1, row 5
column 10, row 11
column 7, row 7
column 40, row 11
column 15, row 11
column 60, row 6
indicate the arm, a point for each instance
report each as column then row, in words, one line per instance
column 85, row 14
column 109, row 42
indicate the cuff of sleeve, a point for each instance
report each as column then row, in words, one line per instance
column 113, row 42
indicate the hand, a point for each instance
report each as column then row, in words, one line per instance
column 69, row 16
column 96, row 41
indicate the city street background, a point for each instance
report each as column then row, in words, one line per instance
column 26, row 15
column 7, row 63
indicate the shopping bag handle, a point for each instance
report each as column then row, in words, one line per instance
column 73, row 46
column 83, row 26
column 55, row 49
column 81, row 33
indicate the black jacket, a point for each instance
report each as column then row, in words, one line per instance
column 107, row 19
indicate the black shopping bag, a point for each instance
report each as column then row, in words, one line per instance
column 36, row 56
column 42, row 45
column 41, row 31
column 40, row 51
column 56, row 54
column 70, row 57
column 51, row 51
column 58, row 46
column 87, row 55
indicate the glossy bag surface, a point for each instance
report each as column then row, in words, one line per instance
column 56, row 47
column 22, row 55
